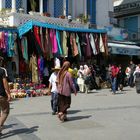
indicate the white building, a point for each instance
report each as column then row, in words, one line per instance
column 99, row 12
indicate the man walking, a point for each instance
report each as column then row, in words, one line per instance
column 4, row 96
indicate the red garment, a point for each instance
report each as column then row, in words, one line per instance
column 36, row 33
column 114, row 71
column 22, row 66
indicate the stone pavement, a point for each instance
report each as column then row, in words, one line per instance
column 98, row 115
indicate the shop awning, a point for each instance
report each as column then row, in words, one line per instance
column 124, row 49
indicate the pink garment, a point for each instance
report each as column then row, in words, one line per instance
column 67, row 85
column 54, row 41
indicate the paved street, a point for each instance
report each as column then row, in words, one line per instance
column 95, row 116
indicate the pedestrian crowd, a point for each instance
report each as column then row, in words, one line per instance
column 71, row 79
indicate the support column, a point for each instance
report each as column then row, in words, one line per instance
column 85, row 8
column 64, row 7
column 93, row 11
column 41, row 7
column 13, row 6
column 1, row 5
column 67, row 7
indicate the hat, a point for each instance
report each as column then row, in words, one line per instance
column 57, row 64
column 56, row 68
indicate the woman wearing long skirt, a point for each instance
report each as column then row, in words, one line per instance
column 64, row 86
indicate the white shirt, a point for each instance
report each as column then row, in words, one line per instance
column 52, row 80
column 5, row 71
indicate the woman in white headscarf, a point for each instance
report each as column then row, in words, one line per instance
column 80, row 79
column 137, row 78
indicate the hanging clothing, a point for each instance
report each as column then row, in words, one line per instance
column 102, row 48
column 40, row 67
column 78, row 45
column 104, row 37
column 34, row 69
column 73, row 44
column 97, row 43
column 53, row 41
column 42, row 39
column 64, row 43
column 10, row 48
column 92, row 42
column 37, row 37
column 69, row 45
column 88, row 48
column 83, row 43
column 2, row 42
column 58, row 42
column 47, row 46
column 24, row 48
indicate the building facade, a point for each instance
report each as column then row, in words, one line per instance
column 128, row 16
column 95, row 12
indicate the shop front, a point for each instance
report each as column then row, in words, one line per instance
column 32, row 45
column 123, row 52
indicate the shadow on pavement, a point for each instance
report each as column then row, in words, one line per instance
column 19, row 131
column 73, row 111
column 10, row 125
column 78, row 118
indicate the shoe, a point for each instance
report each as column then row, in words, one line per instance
column 113, row 93
column 1, row 128
column 53, row 113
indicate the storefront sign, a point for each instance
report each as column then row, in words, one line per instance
column 123, row 49
column 128, row 6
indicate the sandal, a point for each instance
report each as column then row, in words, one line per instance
column 59, row 115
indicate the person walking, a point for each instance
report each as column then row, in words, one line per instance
column 137, row 78
column 80, row 79
column 53, row 90
column 64, row 85
column 4, row 96
column 131, row 79
column 114, row 73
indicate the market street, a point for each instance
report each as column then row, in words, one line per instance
column 95, row 116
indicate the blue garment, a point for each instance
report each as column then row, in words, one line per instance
column 54, row 101
column 10, row 47
column 114, row 84
column 58, row 42
column 24, row 47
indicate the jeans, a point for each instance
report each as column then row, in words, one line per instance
column 114, row 84
column 131, row 80
column 54, row 101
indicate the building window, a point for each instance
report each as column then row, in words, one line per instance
column 18, row 4
column 58, row 8
column 8, row 3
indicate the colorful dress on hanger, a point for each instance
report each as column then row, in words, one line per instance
column 34, row 69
